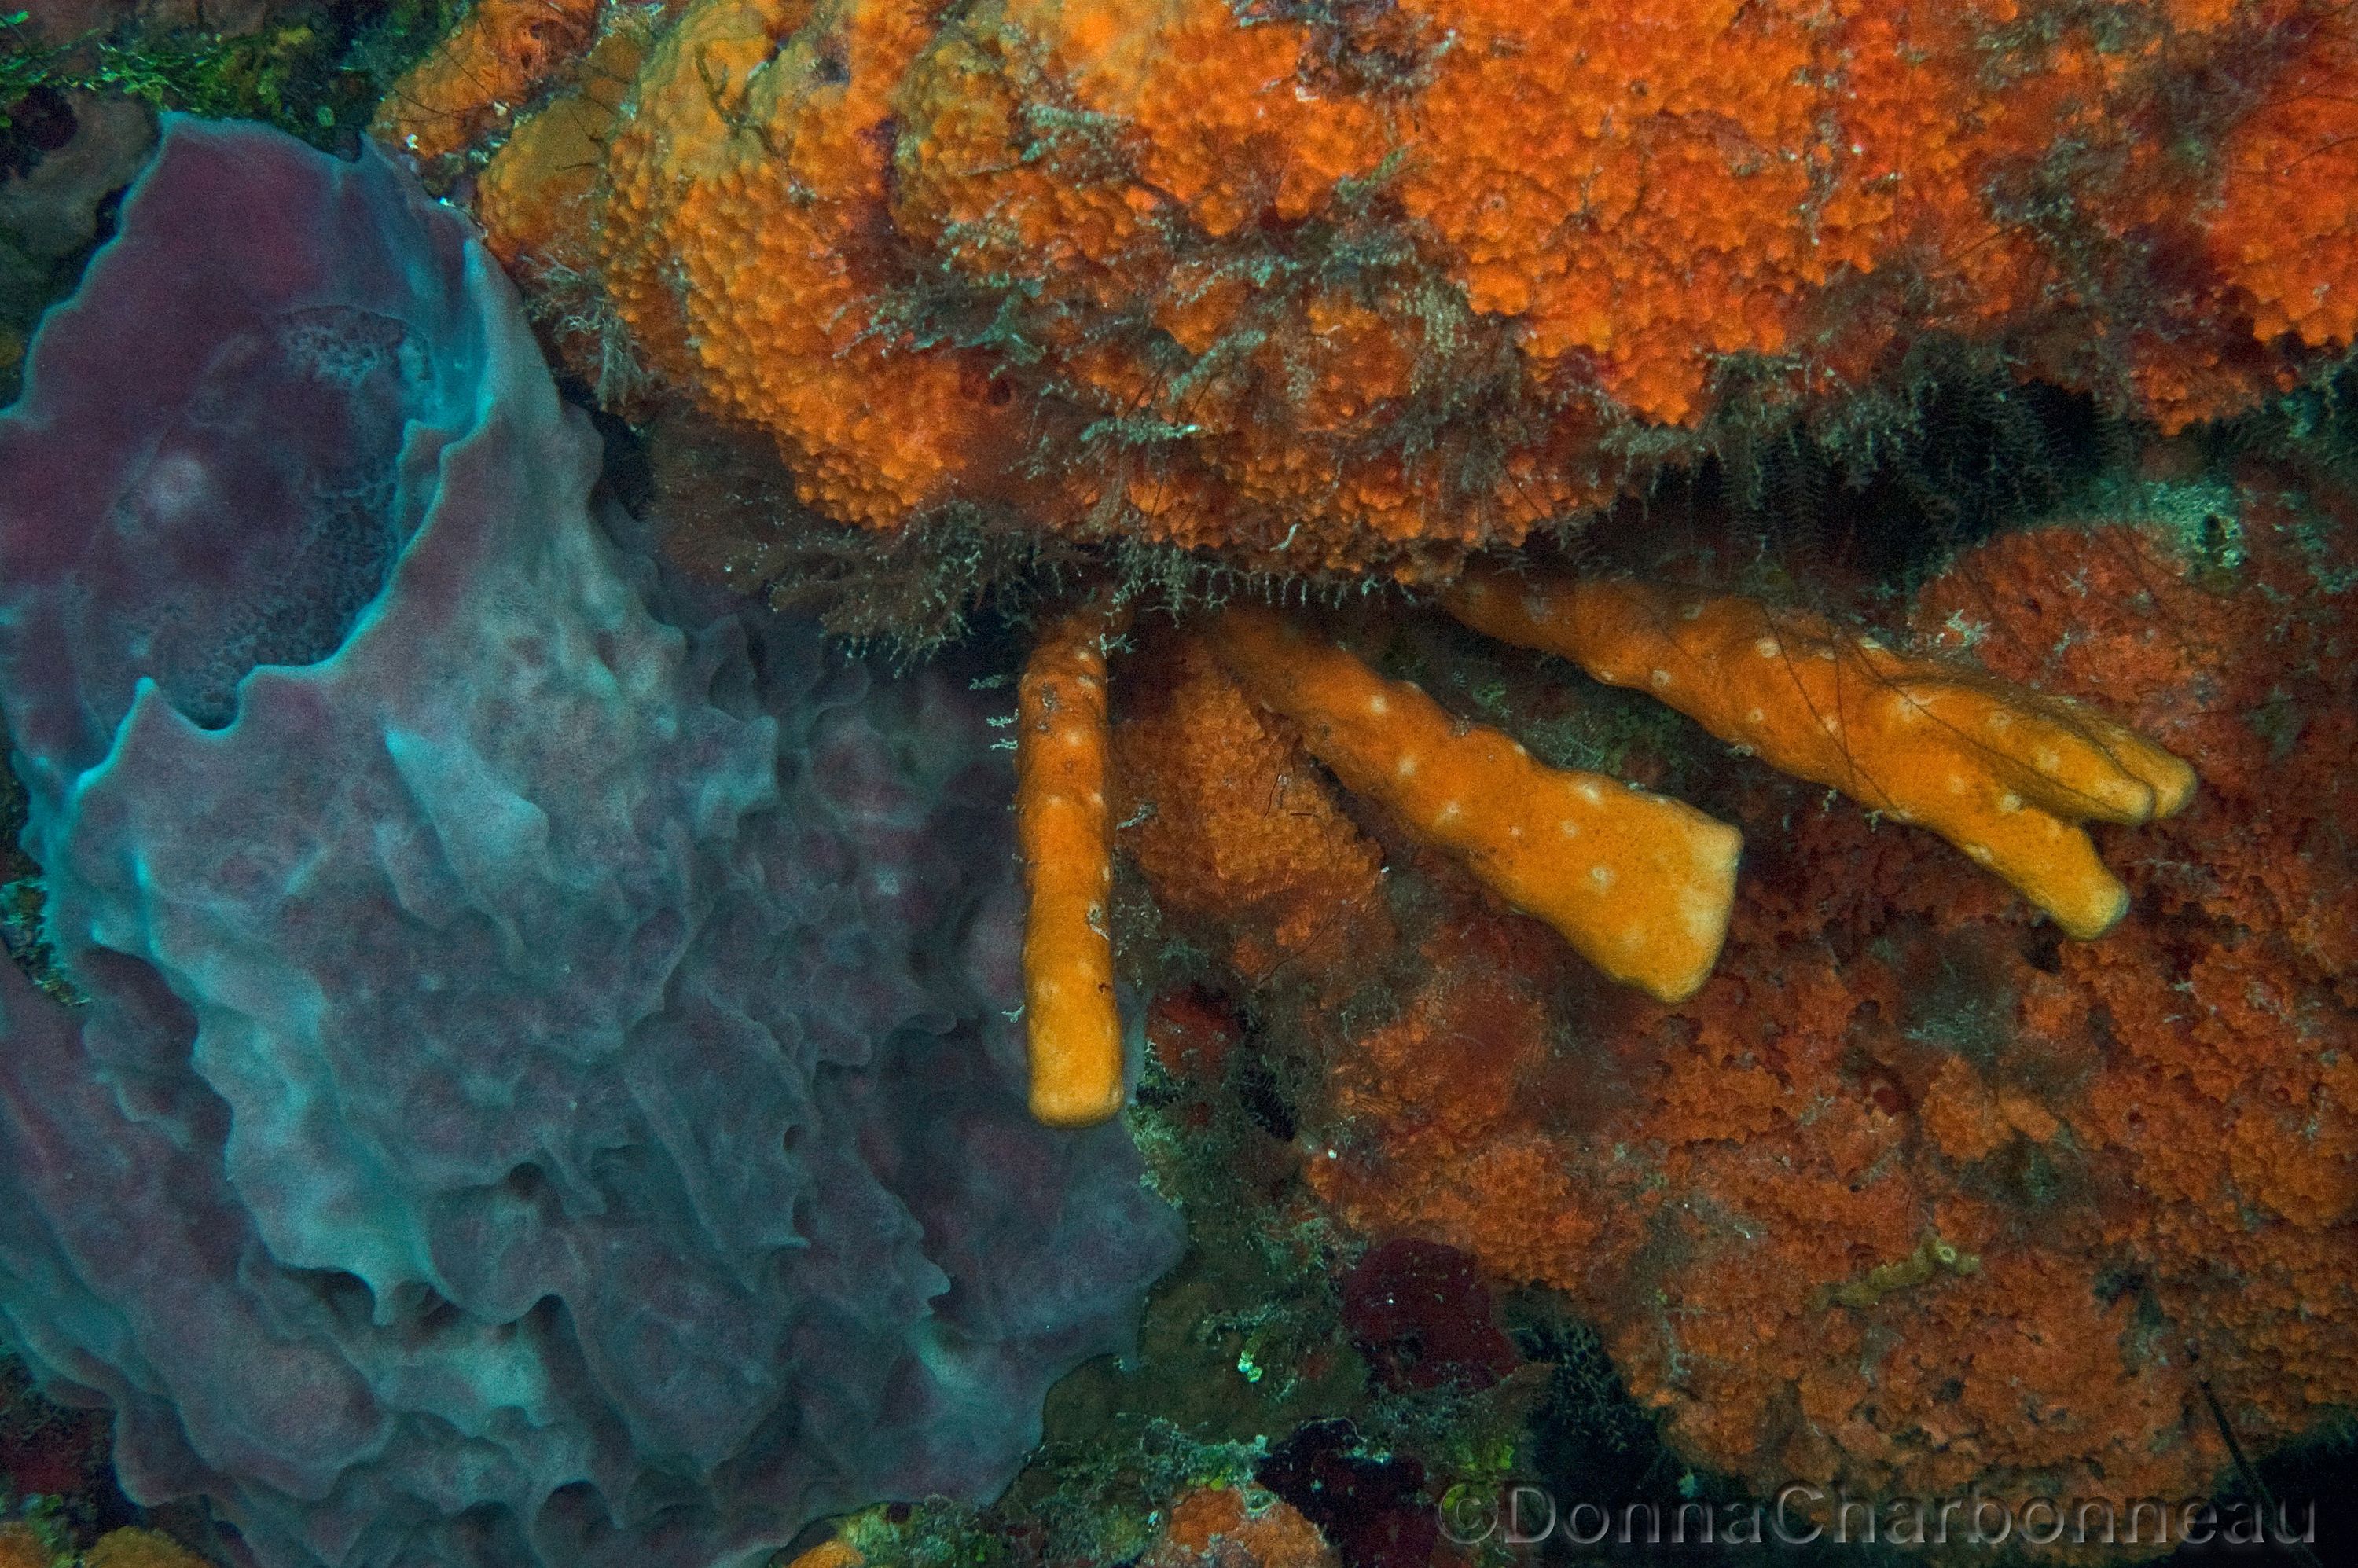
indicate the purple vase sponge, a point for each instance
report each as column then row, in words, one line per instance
column 546, row 1097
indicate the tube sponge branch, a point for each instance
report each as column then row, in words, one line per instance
column 1640, row 886
column 2002, row 773
column 1066, row 842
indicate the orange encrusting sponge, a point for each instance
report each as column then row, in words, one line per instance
column 1066, row 841
column 1358, row 288
column 1998, row 771
column 492, row 62
column 1640, row 886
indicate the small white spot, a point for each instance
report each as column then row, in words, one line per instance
column 1755, row 716
column 1538, row 607
column 175, row 483
column 1450, row 812
column 1980, row 853
column 1693, row 611
column 1046, row 990
column 1377, row 706
column 1589, row 791
column 1570, row 829
column 2000, row 718
column 1097, row 799
column 1768, row 647
column 1076, row 737
column 1602, row 876
column 1406, row 766
column 2009, row 801
column 1906, row 710
column 1515, row 830
column 1660, row 679
column 2047, row 758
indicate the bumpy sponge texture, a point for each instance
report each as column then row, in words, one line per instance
column 1351, row 287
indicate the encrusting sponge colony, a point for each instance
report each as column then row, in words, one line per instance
column 1362, row 288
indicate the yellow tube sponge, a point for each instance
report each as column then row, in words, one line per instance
column 1066, row 841
column 1638, row 884
column 2002, row 773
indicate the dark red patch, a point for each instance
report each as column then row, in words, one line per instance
column 1420, row 1315
column 1372, row 1511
